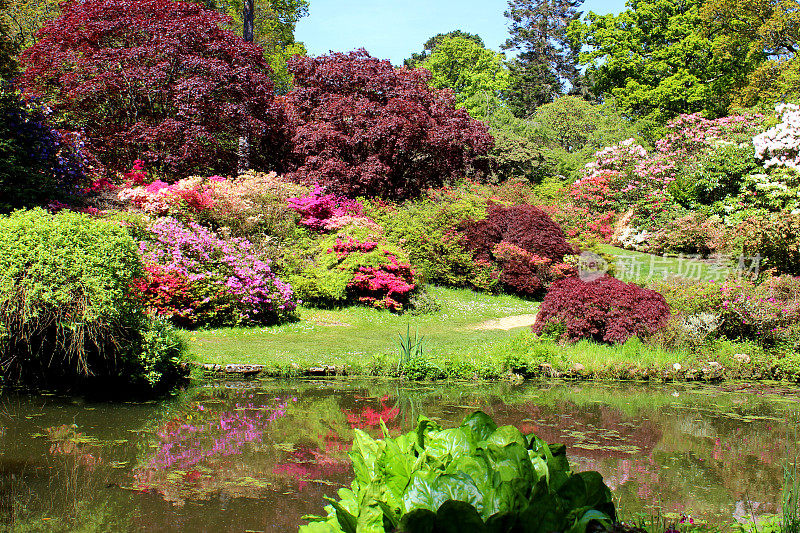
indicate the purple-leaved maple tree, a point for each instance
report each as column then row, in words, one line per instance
column 359, row 126
column 153, row 79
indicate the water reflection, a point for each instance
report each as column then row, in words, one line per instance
column 260, row 455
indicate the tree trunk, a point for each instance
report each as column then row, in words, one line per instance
column 248, row 16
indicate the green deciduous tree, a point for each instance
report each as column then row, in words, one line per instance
column 430, row 45
column 546, row 55
column 473, row 72
column 767, row 32
column 8, row 45
column 24, row 18
column 654, row 60
column 274, row 24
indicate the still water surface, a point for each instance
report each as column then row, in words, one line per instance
column 257, row 456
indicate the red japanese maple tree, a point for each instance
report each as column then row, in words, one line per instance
column 155, row 79
column 362, row 127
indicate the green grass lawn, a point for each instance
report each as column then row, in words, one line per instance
column 356, row 335
column 365, row 341
column 641, row 267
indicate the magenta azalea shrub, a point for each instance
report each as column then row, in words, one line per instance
column 604, row 310
column 229, row 284
column 328, row 212
column 355, row 265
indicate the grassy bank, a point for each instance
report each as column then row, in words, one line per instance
column 463, row 340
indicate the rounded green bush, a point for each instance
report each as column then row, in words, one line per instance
column 67, row 312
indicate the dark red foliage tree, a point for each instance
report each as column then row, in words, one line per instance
column 524, row 243
column 362, row 127
column 605, row 310
column 152, row 79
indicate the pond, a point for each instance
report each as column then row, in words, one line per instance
column 258, row 455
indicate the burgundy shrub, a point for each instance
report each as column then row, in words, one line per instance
column 364, row 128
column 604, row 310
column 524, row 243
column 153, row 78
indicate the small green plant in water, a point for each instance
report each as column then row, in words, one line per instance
column 476, row 478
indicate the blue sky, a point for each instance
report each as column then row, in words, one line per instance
column 394, row 29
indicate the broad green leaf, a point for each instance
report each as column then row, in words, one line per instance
column 370, row 519
column 421, row 492
column 346, row 520
column 506, row 435
column 319, row 527
column 539, row 466
column 477, row 468
column 450, row 442
column 364, row 455
column 458, row 517
column 390, row 514
column 597, row 492
column 397, row 467
column 510, row 462
column 459, row 487
column 480, row 424
column 543, row 515
column 588, row 517
column 573, row 492
column 424, row 427
column 501, row 523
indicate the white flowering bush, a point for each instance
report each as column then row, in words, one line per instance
column 779, row 146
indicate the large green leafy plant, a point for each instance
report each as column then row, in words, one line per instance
column 474, row 478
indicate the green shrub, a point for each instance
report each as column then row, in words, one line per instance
column 474, row 478
column 428, row 230
column 688, row 296
column 693, row 233
column 774, row 237
column 66, row 307
column 424, row 303
column 352, row 265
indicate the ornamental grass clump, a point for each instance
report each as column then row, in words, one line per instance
column 197, row 278
column 604, row 310
column 476, row 478
column 67, row 308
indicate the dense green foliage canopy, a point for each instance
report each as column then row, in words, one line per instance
column 66, row 307
column 273, row 26
column 472, row 71
column 417, row 58
column 654, row 60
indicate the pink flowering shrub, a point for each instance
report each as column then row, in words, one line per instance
column 228, row 284
column 604, row 310
column 328, row 212
column 355, row 265
column 168, row 294
column 250, row 204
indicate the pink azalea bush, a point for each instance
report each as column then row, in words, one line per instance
column 253, row 202
column 355, row 265
column 228, row 284
column 328, row 212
